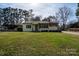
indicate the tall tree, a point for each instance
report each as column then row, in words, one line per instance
column 63, row 14
column 12, row 16
column 26, row 15
column 37, row 18
column 1, row 16
column 49, row 19
column 77, row 12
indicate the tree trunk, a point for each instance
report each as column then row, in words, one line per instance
column 64, row 27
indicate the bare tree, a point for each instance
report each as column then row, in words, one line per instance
column 63, row 15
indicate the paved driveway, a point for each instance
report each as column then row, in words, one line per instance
column 69, row 32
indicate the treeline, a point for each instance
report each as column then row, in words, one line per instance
column 15, row 16
column 11, row 16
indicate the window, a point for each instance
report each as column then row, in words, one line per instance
column 43, row 25
column 28, row 26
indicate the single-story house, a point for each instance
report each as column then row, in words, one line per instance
column 39, row 26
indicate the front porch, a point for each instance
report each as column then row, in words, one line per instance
column 40, row 27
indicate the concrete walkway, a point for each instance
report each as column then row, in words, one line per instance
column 69, row 32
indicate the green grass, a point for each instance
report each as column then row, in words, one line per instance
column 38, row 43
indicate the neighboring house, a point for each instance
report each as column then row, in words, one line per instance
column 40, row 26
column 74, row 27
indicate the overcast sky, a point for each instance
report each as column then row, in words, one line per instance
column 43, row 9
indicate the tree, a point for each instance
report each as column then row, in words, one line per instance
column 45, row 19
column 50, row 19
column 30, row 17
column 37, row 18
column 1, row 16
column 63, row 15
column 26, row 15
column 9, row 17
column 77, row 12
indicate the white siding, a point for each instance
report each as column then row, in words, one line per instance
column 43, row 29
column 26, row 29
column 53, row 28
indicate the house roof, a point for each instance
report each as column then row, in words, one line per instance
column 36, row 22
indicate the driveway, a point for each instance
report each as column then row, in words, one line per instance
column 70, row 32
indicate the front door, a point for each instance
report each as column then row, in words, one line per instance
column 36, row 28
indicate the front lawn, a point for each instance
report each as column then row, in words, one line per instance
column 38, row 43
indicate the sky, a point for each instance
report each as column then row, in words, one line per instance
column 43, row 9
